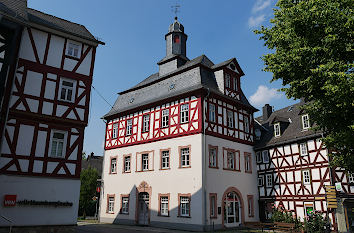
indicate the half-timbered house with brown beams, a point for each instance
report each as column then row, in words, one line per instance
column 293, row 168
column 46, row 74
column 179, row 146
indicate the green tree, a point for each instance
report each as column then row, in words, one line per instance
column 88, row 180
column 311, row 44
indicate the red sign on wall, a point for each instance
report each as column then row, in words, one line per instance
column 10, row 200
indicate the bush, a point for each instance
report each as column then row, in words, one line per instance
column 281, row 215
column 315, row 223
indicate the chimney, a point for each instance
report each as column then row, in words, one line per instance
column 267, row 111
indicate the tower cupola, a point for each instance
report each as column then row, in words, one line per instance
column 176, row 40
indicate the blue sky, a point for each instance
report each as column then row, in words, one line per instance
column 134, row 30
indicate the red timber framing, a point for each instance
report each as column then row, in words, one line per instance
column 286, row 166
column 234, row 77
column 30, row 103
column 156, row 132
column 220, row 129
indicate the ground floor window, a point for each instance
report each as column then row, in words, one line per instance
column 110, row 204
column 164, row 204
column 184, row 205
column 213, row 205
column 125, row 204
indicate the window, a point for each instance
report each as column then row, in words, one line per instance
column 213, row 206
column 231, row 160
column 58, row 144
column 247, row 124
column 305, row 121
column 146, row 123
column 164, row 206
column 165, row 159
column 184, row 206
column 145, row 161
column 184, row 113
column 164, row 119
column 351, row 178
column 129, row 127
column 269, row 180
column 73, row 50
column 113, row 165
column 250, row 206
column 265, row 156
column 260, row 181
column 115, row 130
column 125, row 204
column 185, row 157
column 309, row 209
column 248, row 163
column 126, row 163
column 212, row 116
column 277, row 130
column 259, row 156
column 110, row 207
column 230, row 119
column 227, row 81
column 176, row 39
column 213, row 157
column 306, row 177
column 235, row 84
column 303, row 149
column 67, row 90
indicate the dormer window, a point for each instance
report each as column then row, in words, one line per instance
column 73, row 49
column 247, row 124
column 176, row 39
column 305, row 121
column 235, row 84
column 277, row 130
column 227, row 81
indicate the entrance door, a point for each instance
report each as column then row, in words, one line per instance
column 231, row 210
column 143, row 205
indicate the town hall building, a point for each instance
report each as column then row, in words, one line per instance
column 179, row 146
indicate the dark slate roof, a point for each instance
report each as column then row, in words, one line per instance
column 193, row 75
column 18, row 10
column 94, row 162
column 291, row 131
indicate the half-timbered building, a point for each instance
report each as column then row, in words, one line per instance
column 179, row 146
column 293, row 168
column 46, row 73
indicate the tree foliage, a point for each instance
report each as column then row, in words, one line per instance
column 88, row 180
column 312, row 53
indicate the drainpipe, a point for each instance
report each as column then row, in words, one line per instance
column 204, row 165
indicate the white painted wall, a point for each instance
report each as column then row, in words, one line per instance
column 40, row 189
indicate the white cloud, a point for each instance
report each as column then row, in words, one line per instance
column 260, row 5
column 255, row 21
column 264, row 95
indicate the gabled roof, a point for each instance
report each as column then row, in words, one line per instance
column 194, row 75
column 18, row 10
column 226, row 63
column 291, row 133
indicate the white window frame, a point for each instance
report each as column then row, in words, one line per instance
column 246, row 124
column 145, row 162
column 165, row 118
column 115, row 130
column 305, row 121
column 127, row 163
column 70, row 50
column 212, row 157
column 212, row 206
column 231, row 160
column 212, row 113
column 259, row 156
column 63, row 141
column 230, row 119
column 111, row 205
column 165, row 159
column 184, row 113
column 269, row 180
column 235, row 84
column 248, row 163
column 277, row 130
column 265, row 156
column 66, row 88
column 303, row 149
column 185, row 157
column 164, row 205
column 146, row 123
column 125, row 205
column 351, row 178
column 227, row 81
column 113, row 165
column 184, row 206
column 129, row 127
column 260, row 181
column 306, row 176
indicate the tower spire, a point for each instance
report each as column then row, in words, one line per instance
column 175, row 9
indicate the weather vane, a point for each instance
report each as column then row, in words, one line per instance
column 175, row 9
